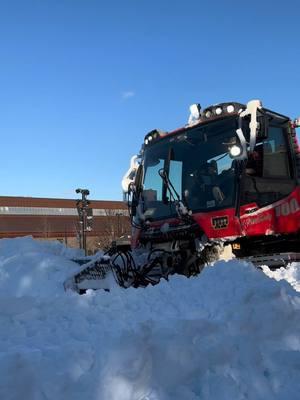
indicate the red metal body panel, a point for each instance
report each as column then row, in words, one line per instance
column 281, row 217
column 229, row 229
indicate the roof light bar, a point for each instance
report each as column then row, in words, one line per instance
column 222, row 109
column 152, row 136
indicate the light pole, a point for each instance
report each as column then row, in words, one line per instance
column 82, row 209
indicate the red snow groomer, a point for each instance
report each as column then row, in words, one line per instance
column 227, row 180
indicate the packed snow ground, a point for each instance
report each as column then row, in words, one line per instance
column 231, row 333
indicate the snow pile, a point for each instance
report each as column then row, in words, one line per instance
column 33, row 267
column 231, row 333
column 291, row 274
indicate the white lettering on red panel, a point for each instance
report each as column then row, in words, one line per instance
column 287, row 208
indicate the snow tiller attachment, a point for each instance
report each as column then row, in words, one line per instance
column 127, row 269
column 229, row 179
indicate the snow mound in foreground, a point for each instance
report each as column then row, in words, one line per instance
column 231, row 333
column 34, row 268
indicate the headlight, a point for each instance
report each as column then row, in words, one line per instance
column 235, row 151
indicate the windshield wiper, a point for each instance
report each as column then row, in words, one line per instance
column 169, row 186
column 181, row 208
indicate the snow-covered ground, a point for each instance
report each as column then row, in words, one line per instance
column 231, row 333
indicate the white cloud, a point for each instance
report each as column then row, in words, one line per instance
column 127, row 94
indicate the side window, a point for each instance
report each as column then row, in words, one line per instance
column 270, row 157
column 275, row 163
column 268, row 176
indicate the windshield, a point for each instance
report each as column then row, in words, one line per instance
column 198, row 166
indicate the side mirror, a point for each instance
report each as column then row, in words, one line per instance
column 130, row 175
column 138, row 182
column 133, row 208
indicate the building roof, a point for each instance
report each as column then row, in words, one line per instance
column 12, row 201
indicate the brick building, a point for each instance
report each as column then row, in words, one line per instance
column 58, row 219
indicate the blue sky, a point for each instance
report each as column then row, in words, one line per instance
column 82, row 81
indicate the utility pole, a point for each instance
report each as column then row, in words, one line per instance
column 85, row 217
column 118, row 214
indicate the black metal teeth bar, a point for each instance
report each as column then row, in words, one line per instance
column 96, row 271
column 273, row 261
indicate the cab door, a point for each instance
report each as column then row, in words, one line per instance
column 268, row 183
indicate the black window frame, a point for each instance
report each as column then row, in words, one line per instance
column 173, row 137
column 274, row 122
